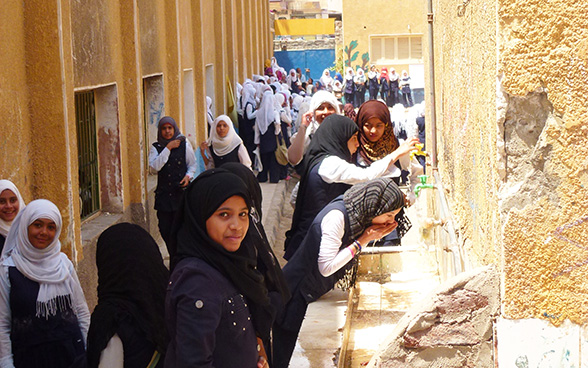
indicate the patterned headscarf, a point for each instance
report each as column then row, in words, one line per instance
column 373, row 151
column 365, row 201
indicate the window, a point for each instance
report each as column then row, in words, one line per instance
column 87, row 154
column 386, row 49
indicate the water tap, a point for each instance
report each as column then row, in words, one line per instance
column 419, row 151
column 422, row 184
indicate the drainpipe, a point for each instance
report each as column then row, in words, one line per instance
column 432, row 149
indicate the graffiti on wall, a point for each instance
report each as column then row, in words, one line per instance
column 351, row 56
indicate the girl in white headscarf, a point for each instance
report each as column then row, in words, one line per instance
column 292, row 81
column 267, row 126
column 322, row 104
column 224, row 145
column 11, row 203
column 44, row 318
column 360, row 81
column 247, row 120
column 327, row 81
column 209, row 115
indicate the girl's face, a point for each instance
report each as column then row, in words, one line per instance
column 353, row 144
column 228, row 225
column 385, row 218
column 8, row 205
column 167, row 131
column 42, row 232
column 324, row 110
column 222, row 129
column 374, row 129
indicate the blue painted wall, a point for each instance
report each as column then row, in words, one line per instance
column 315, row 60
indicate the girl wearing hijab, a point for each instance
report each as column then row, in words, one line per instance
column 327, row 81
column 327, row 172
column 128, row 323
column 384, row 87
column 267, row 263
column 349, row 88
column 44, row 318
column 172, row 156
column 334, row 239
column 393, row 95
column 247, row 119
column 11, row 203
column 406, row 91
column 374, row 86
column 376, row 141
column 224, row 144
column 292, row 81
column 267, row 127
column 217, row 304
column 360, row 81
column 322, row 105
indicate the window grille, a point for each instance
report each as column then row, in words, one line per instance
column 87, row 154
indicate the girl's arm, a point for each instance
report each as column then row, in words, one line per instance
column 244, row 156
column 79, row 305
column 5, row 320
column 204, row 153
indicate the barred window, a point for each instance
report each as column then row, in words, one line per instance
column 87, row 154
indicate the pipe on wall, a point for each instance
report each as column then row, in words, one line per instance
column 432, row 145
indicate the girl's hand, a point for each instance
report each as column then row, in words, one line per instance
column 376, row 232
column 173, row 144
column 262, row 363
column 203, row 146
column 306, row 119
column 407, row 146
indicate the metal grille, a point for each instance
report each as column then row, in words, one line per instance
column 87, row 154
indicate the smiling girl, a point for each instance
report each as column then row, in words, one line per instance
column 11, row 203
column 217, row 302
column 224, row 144
column 44, row 318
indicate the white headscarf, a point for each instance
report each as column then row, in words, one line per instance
column 360, row 77
column 48, row 267
column 349, row 74
column 226, row 145
column 291, row 78
column 323, row 96
column 266, row 114
column 4, row 185
column 249, row 95
column 209, row 115
column 326, row 79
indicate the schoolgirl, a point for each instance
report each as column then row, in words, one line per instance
column 393, row 97
column 11, row 203
column 405, row 88
column 247, row 119
column 360, row 81
column 224, row 145
column 266, row 128
column 217, row 304
column 327, row 81
column 334, row 239
column 349, row 88
column 384, row 84
column 44, row 318
column 373, row 84
column 127, row 326
column 376, row 141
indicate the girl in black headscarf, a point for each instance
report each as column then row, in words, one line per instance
column 336, row 236
column 217, row 304
column 327, row 172
column 267, row 262
column 132, row 280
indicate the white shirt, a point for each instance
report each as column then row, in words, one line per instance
column 336, row 170
column 79, row 307
column 330, row 258
column 158, row 160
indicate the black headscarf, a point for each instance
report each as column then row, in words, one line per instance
column 177, row 134
column 132, row 280
column 330, row 139
column 267, row 263
column 201, row 199
column 370, row 199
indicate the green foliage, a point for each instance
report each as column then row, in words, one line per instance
column 365, row 59
column 348, row 50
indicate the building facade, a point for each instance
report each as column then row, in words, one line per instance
column 84, row 83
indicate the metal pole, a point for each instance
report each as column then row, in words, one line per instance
column 432, row 146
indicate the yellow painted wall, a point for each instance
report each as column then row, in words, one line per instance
column 381, row 17
column 55, row 49
column 512, row 132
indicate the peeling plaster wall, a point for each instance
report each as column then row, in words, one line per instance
column 513, row 146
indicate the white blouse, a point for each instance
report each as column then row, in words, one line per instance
column 158, row 160
column 330, row 258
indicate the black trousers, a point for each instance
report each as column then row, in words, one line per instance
column 165, row 222
column 271, row 166
column 285, row 333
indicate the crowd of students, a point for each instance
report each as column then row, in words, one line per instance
column 224, row 301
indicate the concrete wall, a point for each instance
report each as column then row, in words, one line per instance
column 128, row 53
column 512, row 127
